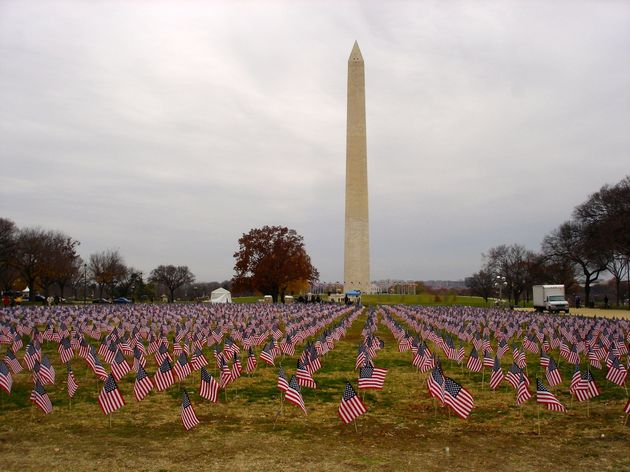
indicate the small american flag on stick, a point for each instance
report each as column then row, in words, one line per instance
column 283, row 384
column 143, row 384
column 522, row 393
column 293, row 394
column 545, row 397
column 458, row 398
column 6, row 381
column 189, row 418
column 209, row 387
column 40, row 398
column 497, row 374
column 110, row 398
column 372, row 377
column 72, row 382
column 351, row 406
column 164, row 376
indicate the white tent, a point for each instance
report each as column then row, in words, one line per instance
column 220, row 295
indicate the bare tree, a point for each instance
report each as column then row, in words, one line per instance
column 30, row 255
column 8, row 247
column 107, row 268
column 482, row 284
column 618, row 267
column 59, row 262
column 606, row 213
column 569, row 242
column 605, row 218
column 172, row 278
column 131, row 280
column 510, row 262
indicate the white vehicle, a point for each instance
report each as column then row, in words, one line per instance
column 550, row 298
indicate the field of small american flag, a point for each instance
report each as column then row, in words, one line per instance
column 248, row 428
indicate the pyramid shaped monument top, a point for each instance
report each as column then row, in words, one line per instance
column 355, row 54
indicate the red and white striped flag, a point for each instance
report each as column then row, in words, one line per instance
column 617, row 373
column 304, row 377
column 237, row 367
column 251, row 361
column 435, row 383
column 586, row 387
column 545, row 397
column 120, row 366
column 93, row 361
column 553, row 373
column 474, row 364
column 198, row 360
column 267, row 357
column 182, row 367
column 351, row 406
column 6, row 381
column 522, row 393
column 65, row 350
column 497, row 374
column 40, row 398
column 110, row 398
column 458, row 398
column 208, row 387
column 189, row 418
column 163, row 378
column 226, row 374
column 372, row 377
column 293, row 394
column 72, row 382
column 283, row 383
column 12, row 361
column 143, row 384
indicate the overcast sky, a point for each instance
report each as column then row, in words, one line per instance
column 167, row 129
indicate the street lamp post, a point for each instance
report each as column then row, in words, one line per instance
column 84, row 284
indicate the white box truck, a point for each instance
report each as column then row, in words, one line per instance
column 550, row 298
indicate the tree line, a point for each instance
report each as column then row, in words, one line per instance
column 594, row 242
column 270, row 260
column 47, row 262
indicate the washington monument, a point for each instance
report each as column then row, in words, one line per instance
column 357, row 235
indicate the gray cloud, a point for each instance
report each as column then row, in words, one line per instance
column 167, row 129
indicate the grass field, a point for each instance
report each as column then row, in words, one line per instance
column 403, row 428
column 397, row 299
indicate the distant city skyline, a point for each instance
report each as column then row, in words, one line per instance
column 168, row 129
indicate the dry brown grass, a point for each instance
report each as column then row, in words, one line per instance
column 599, row 312
column 403, row 428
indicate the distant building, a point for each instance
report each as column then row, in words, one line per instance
column 445, row 284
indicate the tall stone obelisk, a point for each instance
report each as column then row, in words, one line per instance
column 357, row 233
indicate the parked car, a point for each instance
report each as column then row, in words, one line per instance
column 121, row 300
column 101, row 301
